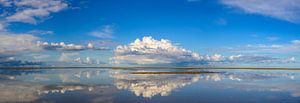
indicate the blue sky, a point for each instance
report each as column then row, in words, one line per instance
column 220, row 32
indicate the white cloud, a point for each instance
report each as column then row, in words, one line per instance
column 87, row 60
column 68, row 47
column 90, row 46
column 259, row 59
column 12, row 43
column 246, row 59
column 287, row 10
column 59, row 46
column 41, row 32
column 151, row 51
column 292, row 47
column 28, row 11
column 105, row 32
column 31, row 11
column 296, row 42
column 67, row 57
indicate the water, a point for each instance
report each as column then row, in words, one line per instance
column 122, row 86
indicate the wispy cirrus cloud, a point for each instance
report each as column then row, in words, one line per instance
column 287, row 10
column 273, row 38
column 291, row 47
column 41, row 32
column 105, row 32
column 31, row 11
column 248, row 59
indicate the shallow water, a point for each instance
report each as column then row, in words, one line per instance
column 127, row 86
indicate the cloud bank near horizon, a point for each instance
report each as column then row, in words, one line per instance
column 149, row 51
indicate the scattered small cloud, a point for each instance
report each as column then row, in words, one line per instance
column 88, row 60
column 68, row 47
column 287, row 10
column 41, row 32
column 105, row 32
column 67, row 57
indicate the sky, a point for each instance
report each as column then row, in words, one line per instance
column 241, row 33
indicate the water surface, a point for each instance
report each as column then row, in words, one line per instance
column 105, row 85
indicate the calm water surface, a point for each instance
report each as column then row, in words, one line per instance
column 121, row 86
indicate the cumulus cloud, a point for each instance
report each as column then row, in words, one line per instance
column 151, row 51
column 287, row 10
column 105, row 32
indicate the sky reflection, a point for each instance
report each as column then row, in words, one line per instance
column 107, row 85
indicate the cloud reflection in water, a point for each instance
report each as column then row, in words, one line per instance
column 93, row 85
